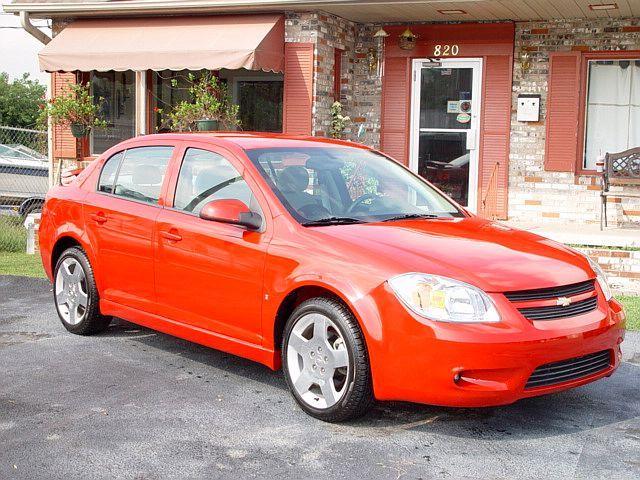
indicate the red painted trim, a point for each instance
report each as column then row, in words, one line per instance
column 473, row 39
column 337, row 73
column 582, row 116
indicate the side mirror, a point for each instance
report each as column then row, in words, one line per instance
column 234, row 212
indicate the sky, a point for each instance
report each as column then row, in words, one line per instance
column 18, row 49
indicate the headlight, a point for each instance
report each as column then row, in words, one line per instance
column 443, row 299
column 600, row 277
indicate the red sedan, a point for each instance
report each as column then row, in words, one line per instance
column 331, row 260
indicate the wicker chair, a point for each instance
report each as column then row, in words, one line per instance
column 620, row 169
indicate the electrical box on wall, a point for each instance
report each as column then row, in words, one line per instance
column 528, row 108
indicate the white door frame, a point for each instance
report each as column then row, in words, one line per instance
column 473, row 133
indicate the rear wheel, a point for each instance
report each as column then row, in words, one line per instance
column 325, row 361
column 76, row 295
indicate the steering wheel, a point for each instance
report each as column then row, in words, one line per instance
column 314, row 211
column 360, row 200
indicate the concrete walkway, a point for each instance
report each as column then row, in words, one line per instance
column 584, row 234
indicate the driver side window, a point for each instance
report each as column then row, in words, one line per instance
column 206, row 176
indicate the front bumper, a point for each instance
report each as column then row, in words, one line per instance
column 482, row 365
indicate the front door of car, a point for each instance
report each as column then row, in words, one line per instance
column 120, row 216
column 210, row 274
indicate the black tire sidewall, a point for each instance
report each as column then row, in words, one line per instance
column 86, row 324
column 336, row 316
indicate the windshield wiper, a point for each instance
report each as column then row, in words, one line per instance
column 331, row 221
column 410, row 216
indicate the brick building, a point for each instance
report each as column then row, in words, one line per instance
column 435, row 85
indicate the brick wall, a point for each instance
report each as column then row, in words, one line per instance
column 542, row 197
column 326, row 32
column 622, row 268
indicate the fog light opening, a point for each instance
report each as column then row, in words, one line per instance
column 457, row 377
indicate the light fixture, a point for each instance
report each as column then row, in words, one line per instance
column 603, row 6
column 375, row 56
column 452, row 12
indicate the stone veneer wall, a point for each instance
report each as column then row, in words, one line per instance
column 360, row 91
column 543, row 197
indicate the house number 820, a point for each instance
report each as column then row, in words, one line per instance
column 446, row 50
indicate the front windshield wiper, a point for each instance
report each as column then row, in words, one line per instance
column 409, row 216
column 331, row 221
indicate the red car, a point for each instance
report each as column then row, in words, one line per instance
column 331, row 260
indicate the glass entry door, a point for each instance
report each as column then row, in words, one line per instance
column 444, row 127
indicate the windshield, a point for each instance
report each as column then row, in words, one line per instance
column 347, row 185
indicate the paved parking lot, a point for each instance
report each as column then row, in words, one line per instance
column 132, row 403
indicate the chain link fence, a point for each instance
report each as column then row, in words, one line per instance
column 24, row 170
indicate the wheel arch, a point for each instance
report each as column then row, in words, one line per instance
column 63, row 243
column 369, row 321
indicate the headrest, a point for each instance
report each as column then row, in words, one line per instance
column 293, row 179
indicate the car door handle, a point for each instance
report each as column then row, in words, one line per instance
column 99, row 217
column 171, row 236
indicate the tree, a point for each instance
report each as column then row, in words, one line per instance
column 20, row 101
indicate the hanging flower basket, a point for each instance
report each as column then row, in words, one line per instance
column 407, row 40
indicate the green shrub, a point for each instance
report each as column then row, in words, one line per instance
column 13, row 235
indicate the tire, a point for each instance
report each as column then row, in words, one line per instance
column 313, row 361
column 35, row 207
column 75, row 294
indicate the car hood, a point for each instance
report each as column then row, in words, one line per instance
column 490, row 255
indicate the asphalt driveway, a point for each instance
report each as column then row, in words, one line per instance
column 132, row 403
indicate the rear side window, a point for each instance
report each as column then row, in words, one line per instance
column 142, row 172
column 108, row 175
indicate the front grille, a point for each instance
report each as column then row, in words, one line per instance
column 550, row 293
column 572, row 369
column 558, row 311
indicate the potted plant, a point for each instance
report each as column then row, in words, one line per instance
column 210, row 107
column 339, row 121
column 77, row 109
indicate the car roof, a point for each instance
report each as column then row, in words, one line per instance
column 250, row 140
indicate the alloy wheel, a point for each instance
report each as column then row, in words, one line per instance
column 318, row 361
column 71, row 292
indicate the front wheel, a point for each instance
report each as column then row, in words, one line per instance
column 76, row 295
column 325, row 361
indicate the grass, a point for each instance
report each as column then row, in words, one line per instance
column 20, row 263
column 13, row 235
column 13, row 245
column 632, row 307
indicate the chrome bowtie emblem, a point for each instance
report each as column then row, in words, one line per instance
column 563, row 301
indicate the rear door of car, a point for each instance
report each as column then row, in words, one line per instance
column 120, row 215
column 210, row 274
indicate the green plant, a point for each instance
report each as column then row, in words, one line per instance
column 210, row 100
column 339, row 122
column 20, row 100
column 76, row 106
column 13, row 235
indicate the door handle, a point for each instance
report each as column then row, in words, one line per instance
column 99, row 217
column 171, row 236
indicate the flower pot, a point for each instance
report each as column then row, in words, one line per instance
column 207, row 125
column 79, row 130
